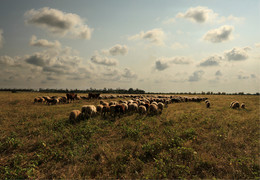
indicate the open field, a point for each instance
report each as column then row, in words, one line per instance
column 186, row 141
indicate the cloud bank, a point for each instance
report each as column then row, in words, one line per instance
column 58, row 22
column 154, row 36
column 44, row 43
column 224, row 33
column 1, row 38
column 163, row 63
column 116, row 50
column 237, row 54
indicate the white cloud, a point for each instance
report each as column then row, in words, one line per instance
column 237, row 54
column 177, row 45
column 218, row 73
column 6, row 60
column 59, row 22
column 129, row 74
column 169, row 21
column 117, row 50
column 1, row 38
column 198, row 14
column 242, row 75
column 211, row 61
column 155, row 36
column 101, row 60
column 257, row 45
column 196, row 76
column 202, row 14
column 43, row 43
column 163, row 63
column 224, row 33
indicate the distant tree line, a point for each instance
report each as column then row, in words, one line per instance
column 119, row 91
column 91, row 90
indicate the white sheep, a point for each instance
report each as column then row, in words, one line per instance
column 88, row 111
column 160, row 106
column 235, row 105
column 243, row 106
column 142, row 109
column 153, row 109
column 133, row 107
column 208, row 104
column 75, row 116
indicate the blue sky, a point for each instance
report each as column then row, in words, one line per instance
column 158, row 46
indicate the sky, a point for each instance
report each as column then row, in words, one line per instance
column 154, row 45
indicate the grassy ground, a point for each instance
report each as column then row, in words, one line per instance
column 185, row 141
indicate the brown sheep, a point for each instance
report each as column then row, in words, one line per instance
column 99, row 108
column 105, row 110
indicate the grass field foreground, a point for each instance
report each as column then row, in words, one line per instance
column 186, row 141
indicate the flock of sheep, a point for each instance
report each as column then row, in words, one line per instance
column 137, row 104
column 150, row 104
column 236, row 105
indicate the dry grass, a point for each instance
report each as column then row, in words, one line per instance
column 186, row 141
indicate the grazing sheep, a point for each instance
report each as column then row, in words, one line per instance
column 206, row 101
column 133, row 107
column 39, row 99
column 208, row 104
column 160, row 106
column 88, row 111
column 105, row 110
column 130, row 101
column 243, row 106
column 154, row 102
column 126, row 106
column 153, row 109
column 99, row 108
column 142, row 109
column 119, row 109
column 112, row 110
column 232, row 104
column 75, row 116
column 235, row 105
column 112, row 103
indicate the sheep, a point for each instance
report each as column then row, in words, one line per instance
column 126, row 106
column 232, row 104
column 208, row 104
column 142, row 109
column 88, row 111
column 112, row 110
column 119, row 109
column 130, row 101
column 99, row 108
column 113, row 103
column 133, row 107
column 105, row 110
column 160, row 106
column 75, row 116
column 243, row 106
column 154, row 102
column 235, row 105
column 153, row 109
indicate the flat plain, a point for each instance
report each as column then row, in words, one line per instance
column 187, row 140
